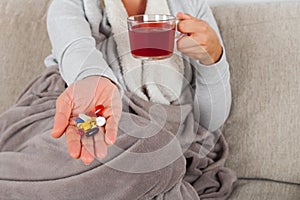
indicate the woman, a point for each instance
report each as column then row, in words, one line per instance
column 159, row 148
column 80, row 35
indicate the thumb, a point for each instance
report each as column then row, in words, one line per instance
column 183, row 16
column 62, row 115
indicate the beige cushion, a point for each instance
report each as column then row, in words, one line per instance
column 263, row 49
column 264, row 190
column 24, row 44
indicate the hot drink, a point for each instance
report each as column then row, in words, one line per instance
column 155, row 40
column 151, row 36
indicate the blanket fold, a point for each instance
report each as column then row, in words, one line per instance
column 160, row 153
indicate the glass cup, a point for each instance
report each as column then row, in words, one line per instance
column 151, row 36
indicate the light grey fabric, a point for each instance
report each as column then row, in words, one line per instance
column 138, row 166
column 263, row 46
column 82, row 45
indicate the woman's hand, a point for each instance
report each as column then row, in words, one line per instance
column 200, row 41
column 82, row 97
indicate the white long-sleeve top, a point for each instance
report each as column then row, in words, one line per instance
column 80, row 35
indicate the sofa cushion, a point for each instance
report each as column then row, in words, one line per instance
column 264, row 190
column 23, row 47
column 263, row 49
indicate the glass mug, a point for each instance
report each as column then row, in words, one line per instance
column 151, row 36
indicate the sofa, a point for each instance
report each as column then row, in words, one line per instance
column 263, row 49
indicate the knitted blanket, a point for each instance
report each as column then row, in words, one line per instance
column 161, row 152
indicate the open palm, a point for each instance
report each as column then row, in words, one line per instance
column 81, row 97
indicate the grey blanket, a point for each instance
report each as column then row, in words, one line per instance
column 160, row 153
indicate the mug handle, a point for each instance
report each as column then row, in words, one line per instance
column 178, row 35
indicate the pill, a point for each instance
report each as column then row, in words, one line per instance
column 79, row 120
column 91, row 114
column 86, row 125
column 84, row 117
column 100, row 121
column 81, row 132
column 99, row 110
column 93, row 123
column 92, row 132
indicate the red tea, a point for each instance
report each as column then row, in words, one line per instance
column 154, row 40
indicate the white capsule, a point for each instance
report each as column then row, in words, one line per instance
column 100, row 121
column 84, row 117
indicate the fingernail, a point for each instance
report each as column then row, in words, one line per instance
column 54, row 133
column 74, row 155
column 101, row 155
column 88, row 161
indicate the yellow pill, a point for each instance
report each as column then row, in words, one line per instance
column 93, row 123
column 86, row 126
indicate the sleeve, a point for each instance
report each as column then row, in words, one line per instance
column 213, row 91
column 73, row 45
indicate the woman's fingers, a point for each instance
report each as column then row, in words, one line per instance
column 62, row 115
column 182, row 16
column 87, row 150
column 81, row 97
column 99, row 144
column 112, row 113
column 111, row 130
column 201, row 43
column 186, row 23
column 85, row 156
column 73, row 142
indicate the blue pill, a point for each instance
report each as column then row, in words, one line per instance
column 92, row 132
column 78, row 120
